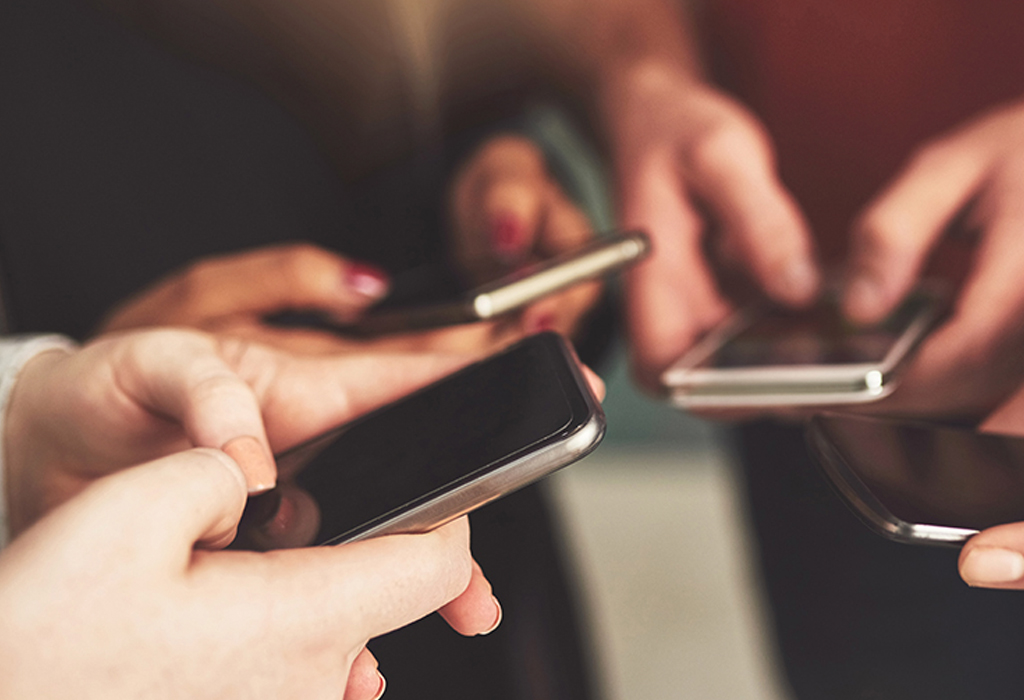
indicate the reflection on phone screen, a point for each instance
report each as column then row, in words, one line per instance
column 933, row 475
column 820, row 335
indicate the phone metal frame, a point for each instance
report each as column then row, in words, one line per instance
column 856, row 494
column 446, row 505
column 599, row 257
column 801, row 385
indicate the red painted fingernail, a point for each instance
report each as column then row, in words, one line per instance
column 543, row 322
column 366, row 280
column 507, row 236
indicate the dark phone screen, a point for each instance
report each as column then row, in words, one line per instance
column 478, row 419
column 819, row 335
column 931, row 475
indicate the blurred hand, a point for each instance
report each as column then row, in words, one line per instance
column 233, row 294
column 129, row 398
column 509, row 212
column 974, row 359
column 117, row 568
column 689, row 160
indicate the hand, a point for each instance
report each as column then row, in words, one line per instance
column 128, row 398
column 970, row 363
column 508, row 212
column 690, row 160
column 110, row 596
column 232, row 294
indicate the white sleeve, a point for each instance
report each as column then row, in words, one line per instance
column 15, row 352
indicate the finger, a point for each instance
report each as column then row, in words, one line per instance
column 397, row 579
column 563, row 227
column 498, row 202
column 671, row 296
column 733, row 171
column 306, row 396
column 258, row 282
column 182, row 376
column 157, row 512
column 595, row 382
column 476, row 610
column 365, row 682
column 983, row 332
column 995, row 558
column 893, row 237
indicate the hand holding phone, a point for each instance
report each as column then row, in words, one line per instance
column 438, row 453
column 433, row 298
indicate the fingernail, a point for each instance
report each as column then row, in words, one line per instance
column 864, row 297
column 540, row 323
column 507, row 237
column 255, row 462
column 382, row 688
column 800, row 280
column 988, row 565
column 366, row 280
column 497, row 618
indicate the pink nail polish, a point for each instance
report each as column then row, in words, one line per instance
column 497, row 618
column 383, row 686
column 507, row 237
column 366, row 280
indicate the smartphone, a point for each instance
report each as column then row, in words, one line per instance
column 434, row 297
column 774, row 356
column 442, row 451
column 917, row 482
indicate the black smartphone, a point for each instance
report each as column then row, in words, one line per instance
column 434, row 297
column 918, row 482
column 436, row 454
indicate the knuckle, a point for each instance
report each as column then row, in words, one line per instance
column 297, row 260
column 724, row 145
column 885, row 230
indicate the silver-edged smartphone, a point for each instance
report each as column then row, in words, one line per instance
column 600, row 257
column 772, row 356
column 917, row 482
column 438, row 453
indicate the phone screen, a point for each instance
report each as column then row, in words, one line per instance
column 459, row 428
column 819, row 335
column 933, row 475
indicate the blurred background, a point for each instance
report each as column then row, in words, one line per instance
column 657, row 529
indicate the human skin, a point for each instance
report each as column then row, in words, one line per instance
column 74, row 418
column 121, row 592
column 507, row 211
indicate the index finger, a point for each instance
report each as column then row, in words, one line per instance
column 671, row 297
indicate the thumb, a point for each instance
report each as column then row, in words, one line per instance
column 995, row 558
column 183, row 376
column 154, row 513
